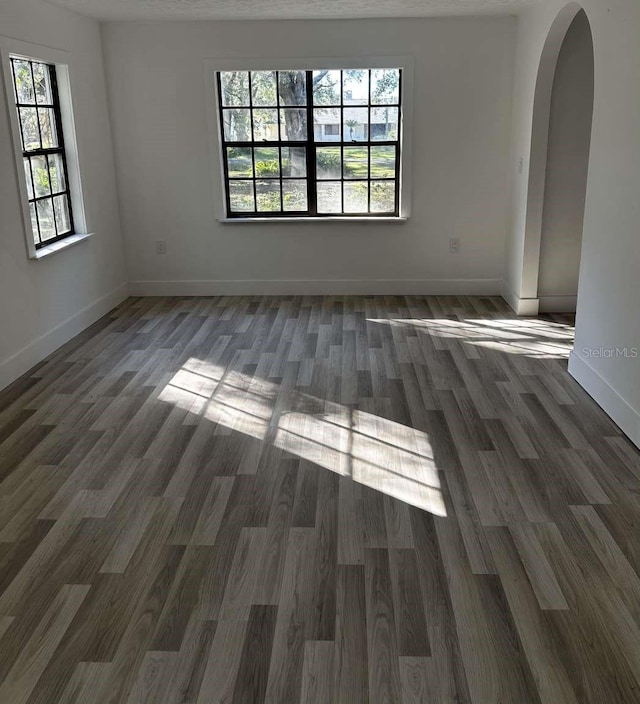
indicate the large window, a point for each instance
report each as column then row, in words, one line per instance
column 45, row 166
column 311, row 143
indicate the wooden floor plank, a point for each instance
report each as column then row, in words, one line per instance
column 318, row 673
column 254, row 663
column 351, row 659
column 382, row 640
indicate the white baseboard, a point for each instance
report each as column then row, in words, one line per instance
column 15, row 366
column 328, row 287
column 558, row 304
column 520, row 306
column 616, row 407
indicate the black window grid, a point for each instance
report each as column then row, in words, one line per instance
column 47, row 152
column 310, row 145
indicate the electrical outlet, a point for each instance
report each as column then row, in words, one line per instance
column 161, row 247
column 454, row 245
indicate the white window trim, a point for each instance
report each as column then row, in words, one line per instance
column 63, row 62
column 212, row 66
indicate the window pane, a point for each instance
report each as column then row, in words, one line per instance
column 383, row 196
column 329, row 197
column 30, row 133
column 235, row 87
column 384, row 124
column 56, row 173
column 294, row 161
column 326, row 87
column 40, row 176
column 239, row 162
column 355, row 163
column 326, row 124
column 293, row 124
column 356, row 197
column 268, row 196
column 383, row 162
column 328, row 164
column 385, row 85
column 293, row 87
column 265, row 125
column 45, row 218
column 294, row 195
column 263, row 88
column 48, row 128
column 241, row 196
column 356, row 124
column 34, row 222
column 42, row 82
column 63, row 221
column 355, row 87
column 23, row 82
column 266, row 162
column 27, row 177
column 237, row 125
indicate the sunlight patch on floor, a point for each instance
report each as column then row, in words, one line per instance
column 387, row 456
column 536, row 339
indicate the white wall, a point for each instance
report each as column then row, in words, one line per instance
column 609, row 291
column 464, row 72
column 567, row 167
column 44, row 303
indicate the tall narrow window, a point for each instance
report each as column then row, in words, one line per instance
column 45, row 164
column 316, row 143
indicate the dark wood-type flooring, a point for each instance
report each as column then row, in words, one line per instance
column 380, row 500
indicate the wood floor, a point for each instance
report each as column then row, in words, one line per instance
column 350, row 500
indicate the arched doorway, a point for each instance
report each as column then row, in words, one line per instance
column 566, row 172
column 560, row 144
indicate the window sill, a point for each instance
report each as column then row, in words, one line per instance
column 55, row 247
column 297, row 221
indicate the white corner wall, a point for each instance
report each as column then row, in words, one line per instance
column 44, row 303
column 461, row 141
column 605, row 359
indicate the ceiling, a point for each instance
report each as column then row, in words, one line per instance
column 286, row 9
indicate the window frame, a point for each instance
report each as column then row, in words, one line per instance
column 45, row 152
column 311, row 147
column 62, row 62
column 212, row 69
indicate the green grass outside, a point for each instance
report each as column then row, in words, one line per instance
column 355, row 162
